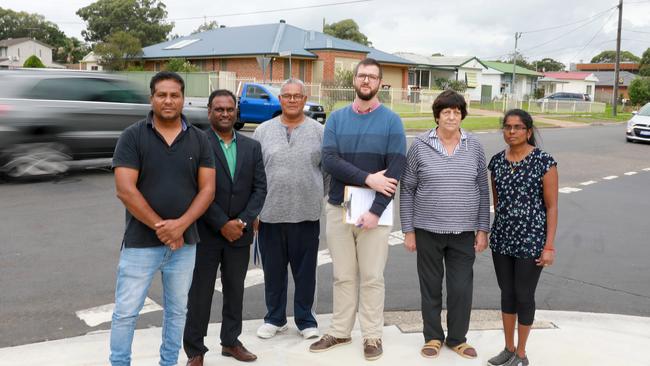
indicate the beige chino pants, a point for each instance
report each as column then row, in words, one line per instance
column 358, row 259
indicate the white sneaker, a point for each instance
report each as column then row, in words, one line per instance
column 268, row 330
column 310, row 333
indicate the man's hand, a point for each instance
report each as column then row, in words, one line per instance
column 232, row 230
column 409, row 241
column 256, row 225
column 480, row 242
column 381, row 183
column 177, row 244
column 170, row 231
column 368, row 220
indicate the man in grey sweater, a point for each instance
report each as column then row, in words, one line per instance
column 289, row 222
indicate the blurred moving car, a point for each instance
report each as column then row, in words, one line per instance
column 50, row 119
column 638, row 127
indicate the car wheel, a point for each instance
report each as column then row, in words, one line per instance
column 239, row 125
column 37, row 160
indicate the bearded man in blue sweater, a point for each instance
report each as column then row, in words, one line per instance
column 364, row 145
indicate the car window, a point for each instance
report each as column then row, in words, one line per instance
column 252, row 92
column 121, row 92
column 645, row 110
column 80, row 89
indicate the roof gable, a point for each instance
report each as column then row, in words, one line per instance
column 14, row 41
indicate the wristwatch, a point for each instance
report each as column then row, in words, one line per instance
column 242, row 222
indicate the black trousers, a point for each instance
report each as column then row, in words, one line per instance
column 457, row 253
column 294, row 244
column 517, row 278
column 233, row 264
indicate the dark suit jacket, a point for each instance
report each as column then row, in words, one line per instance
column 241, row 197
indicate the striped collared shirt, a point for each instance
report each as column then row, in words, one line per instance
column 437, row 144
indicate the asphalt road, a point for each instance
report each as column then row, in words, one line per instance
column 61, row 239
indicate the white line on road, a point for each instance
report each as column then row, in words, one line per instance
column 610, row 177
column 646, row 169
column 255, row 276
column 630, row 173
column 102, row 314
column 569, row 190
column 587, row 183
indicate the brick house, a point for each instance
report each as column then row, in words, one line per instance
column 270, row 51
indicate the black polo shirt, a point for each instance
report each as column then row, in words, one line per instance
column 167, row 175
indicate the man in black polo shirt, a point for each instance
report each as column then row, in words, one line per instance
column 164, row 175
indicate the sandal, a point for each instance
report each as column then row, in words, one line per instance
column 431, row 349
column 461, row 348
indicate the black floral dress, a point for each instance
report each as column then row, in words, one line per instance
column 519, row 228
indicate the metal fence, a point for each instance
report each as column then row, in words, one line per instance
column 544, row 106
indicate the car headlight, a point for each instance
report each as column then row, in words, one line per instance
column 630, row 126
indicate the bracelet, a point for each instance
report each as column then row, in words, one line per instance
column 549, row 250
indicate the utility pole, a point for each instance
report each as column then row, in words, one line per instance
column 617, row 66
column 514, row 65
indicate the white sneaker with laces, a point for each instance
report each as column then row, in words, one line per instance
column 268, row 330
column 310, row 333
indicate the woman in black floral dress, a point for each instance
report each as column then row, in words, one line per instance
column 525, row 191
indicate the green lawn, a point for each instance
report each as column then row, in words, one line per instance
column 469, row 123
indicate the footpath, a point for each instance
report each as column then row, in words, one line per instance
column 558, row 338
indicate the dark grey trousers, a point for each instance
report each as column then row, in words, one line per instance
column 457, row 253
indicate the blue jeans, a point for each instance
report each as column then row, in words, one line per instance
column 134, row 274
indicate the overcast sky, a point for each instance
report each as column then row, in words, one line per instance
column 454, row 28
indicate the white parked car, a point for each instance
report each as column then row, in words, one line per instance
column 638, row 127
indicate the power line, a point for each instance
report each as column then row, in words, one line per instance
column 568, row 24
column 635, row 31
column 242, row 13
column 594, row 37
column 565, row 33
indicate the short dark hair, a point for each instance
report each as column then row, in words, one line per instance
column 221, row 93
column 166, row 75
column 368, row 62
column 526, row 119
column 449, row 99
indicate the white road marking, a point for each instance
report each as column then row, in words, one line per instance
column 587, row 183
column 610, row 177
column 102, row 314
column 646, row 169
column 255, row 276
column 569, row 190
column 630, row 173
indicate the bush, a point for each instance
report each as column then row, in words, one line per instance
column 639, row 90
column 180, row 65
column 33, row 62
column 455, row 85
column 538, row 93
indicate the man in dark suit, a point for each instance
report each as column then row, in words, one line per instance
column 226, row 231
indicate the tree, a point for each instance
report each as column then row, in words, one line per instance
column 347, row 29
column 444, row 84
column 639, row 91
column 143, row 19
column 180, row 65
column 22, row 24
column 608, row 57
column 644, row 67
column 521, row 62
column 33, row 62
column 548, row 64
column 72, row 51
column 206, row 26
column 115, row 52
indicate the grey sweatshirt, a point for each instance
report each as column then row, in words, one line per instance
column 295, row 183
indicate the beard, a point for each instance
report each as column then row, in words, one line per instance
column 366, row 96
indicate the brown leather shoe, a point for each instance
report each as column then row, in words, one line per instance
column 327, row 342
column 239, row 353
column 372, row 348
column 195, row 361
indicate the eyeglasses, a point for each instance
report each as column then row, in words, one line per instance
column 515, row 128
column 292, row 96
column 370, row 77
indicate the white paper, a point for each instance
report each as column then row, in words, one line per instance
column 358, row 201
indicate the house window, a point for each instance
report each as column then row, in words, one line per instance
column 411, row 78
column 287, row 68
column 471, row 79
column 223, row 64
column 589, row 89
column 424, row 78
column 94, row 68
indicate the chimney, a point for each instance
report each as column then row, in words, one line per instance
column 283, row 21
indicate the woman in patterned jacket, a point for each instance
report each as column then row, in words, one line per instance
column 525, row 191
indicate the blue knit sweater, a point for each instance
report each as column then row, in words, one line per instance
column 356, row 145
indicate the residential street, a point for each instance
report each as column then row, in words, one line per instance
column 62, row 239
